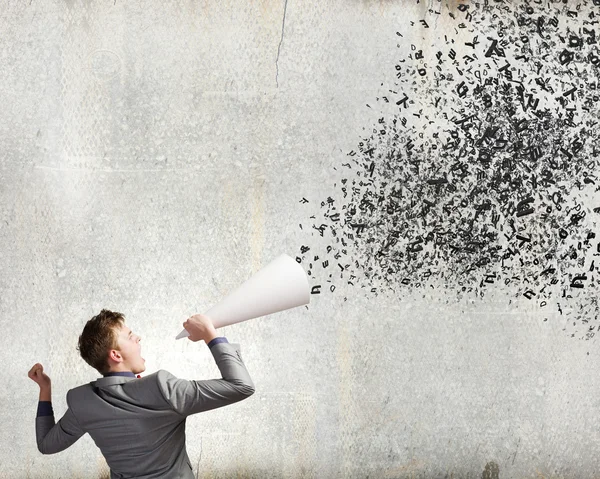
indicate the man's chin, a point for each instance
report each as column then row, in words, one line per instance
column 140, row 369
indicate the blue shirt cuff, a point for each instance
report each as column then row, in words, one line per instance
column 45, row 409
column 217, row 341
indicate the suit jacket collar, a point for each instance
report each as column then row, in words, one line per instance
column 110, row 379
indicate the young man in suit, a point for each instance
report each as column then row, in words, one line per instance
column 138, row 423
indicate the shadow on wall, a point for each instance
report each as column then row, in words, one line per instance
column 491, row 471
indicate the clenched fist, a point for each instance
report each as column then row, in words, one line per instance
column 37, row 374
column 200, row 328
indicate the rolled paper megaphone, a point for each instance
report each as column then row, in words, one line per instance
column 280, row 285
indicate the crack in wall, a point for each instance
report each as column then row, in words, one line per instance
column 280, row 42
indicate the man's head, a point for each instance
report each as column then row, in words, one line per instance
column 108, row 345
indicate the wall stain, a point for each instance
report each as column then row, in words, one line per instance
column 491, row 471
column 257, row 239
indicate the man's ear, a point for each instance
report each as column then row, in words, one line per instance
column 115, row 355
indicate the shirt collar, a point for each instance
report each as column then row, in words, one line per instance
column 128, row 374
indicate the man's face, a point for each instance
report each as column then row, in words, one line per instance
column 128, row 357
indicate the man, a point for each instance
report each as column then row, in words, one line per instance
column 138, row 423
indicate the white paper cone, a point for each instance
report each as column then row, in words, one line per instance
column 280, row 285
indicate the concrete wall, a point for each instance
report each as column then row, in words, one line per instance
column 156, row 154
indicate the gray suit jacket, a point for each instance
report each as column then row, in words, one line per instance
column 139, row 424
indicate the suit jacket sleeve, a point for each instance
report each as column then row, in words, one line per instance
column 191, row 397
column 53, row 438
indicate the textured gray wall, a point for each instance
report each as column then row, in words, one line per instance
column 154, row 155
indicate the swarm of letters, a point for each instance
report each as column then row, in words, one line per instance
column 482, row 169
